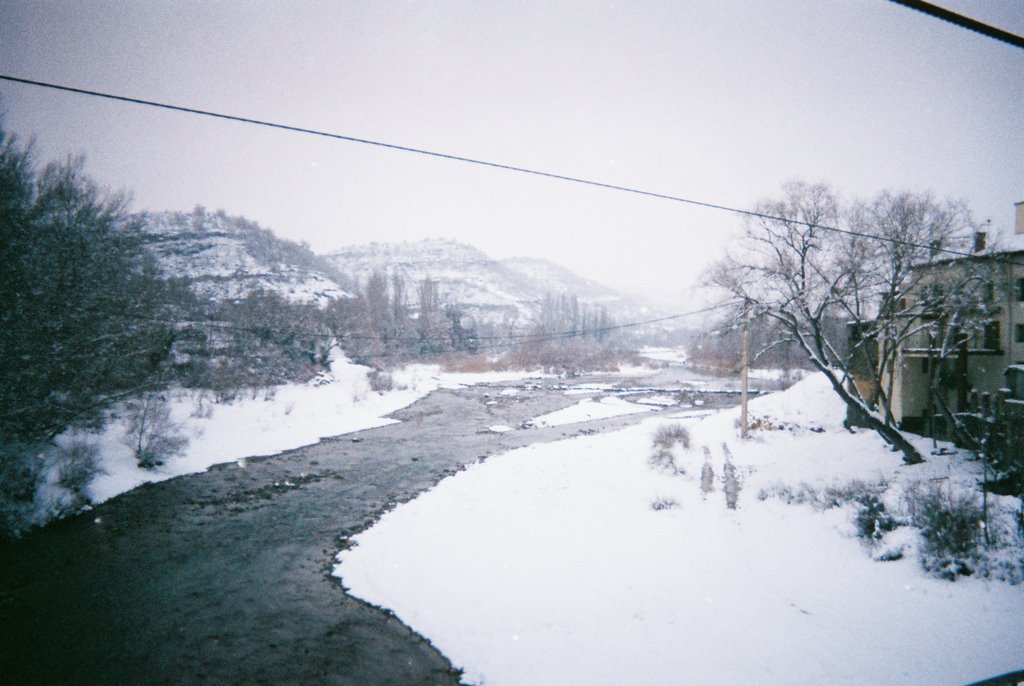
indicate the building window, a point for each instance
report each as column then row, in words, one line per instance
column 989, row 291
column 1019, row 290
column 991, row 336
column 924, row 365
column 1018, row 335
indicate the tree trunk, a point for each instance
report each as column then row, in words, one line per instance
column 890, row 434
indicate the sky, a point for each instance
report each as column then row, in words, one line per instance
column 717, row 102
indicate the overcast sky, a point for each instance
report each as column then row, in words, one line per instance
column 716, row 101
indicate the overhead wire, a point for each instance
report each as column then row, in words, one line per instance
column 503, row 341
column 963, row 21
column 496, row 165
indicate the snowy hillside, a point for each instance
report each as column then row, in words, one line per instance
column 225, row 257
column 499, row 292
column 553, row 278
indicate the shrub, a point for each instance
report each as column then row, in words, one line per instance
column 77, row 465
column 950, row 525
column 380, row 382
column 829, row 497
column 872, row 519
column 151, row 433
column 467, row 363
column 663, row 459
column 21, row 470
column 663, row 503
column 669, row 435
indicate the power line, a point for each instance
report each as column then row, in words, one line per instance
column 497, row 165
column 963, row 21
column 506, row 340
column 500, row 342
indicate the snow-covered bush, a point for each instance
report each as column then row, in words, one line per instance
column 950, row 526
column 872, row 519
column 151, row 433
column 855, row 491
column 40, row 482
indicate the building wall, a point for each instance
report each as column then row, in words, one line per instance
column 985, row 370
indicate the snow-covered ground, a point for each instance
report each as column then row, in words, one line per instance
column 551, row 564
column 673, row 355
column 587, row 410
column 285, row 417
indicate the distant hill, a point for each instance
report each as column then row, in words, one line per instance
column 225, row 258
column 507, row 291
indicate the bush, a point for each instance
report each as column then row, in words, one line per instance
column 380, row 382
column 467, row 363
column 21, row 470
column 669, row 435
column 855, row 491
column 151, row 433
column 663, row 503
column 78, row 465
column 665, row 438
column 663, row 459
column 950, row 525
column 872, row 519
column 41, row 482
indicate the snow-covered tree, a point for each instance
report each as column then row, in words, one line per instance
column 802, row 261
column 80, row 307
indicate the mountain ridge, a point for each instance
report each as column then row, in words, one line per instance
column 225, row 258
column 508, row 291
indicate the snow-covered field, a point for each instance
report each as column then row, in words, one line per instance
column 287, row 417
column 551, row 565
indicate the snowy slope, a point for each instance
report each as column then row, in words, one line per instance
column 507, row 291
column 225, row 258
column 550, row 565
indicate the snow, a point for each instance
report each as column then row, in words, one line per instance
column 587, row 410
column 286, row 417
column 675, row 355
column 548, row 565
column 661, row 400
column 210, row 250
column 775, row 374
column 499, row 428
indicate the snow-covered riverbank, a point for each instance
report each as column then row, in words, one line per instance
column 552, row 564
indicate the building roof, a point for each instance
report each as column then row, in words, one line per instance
column 1005, row 242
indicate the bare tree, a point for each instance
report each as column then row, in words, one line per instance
column 898, row 243
column 151, row 433
column 793, row 266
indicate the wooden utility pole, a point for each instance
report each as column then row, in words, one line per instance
column 744, row 368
